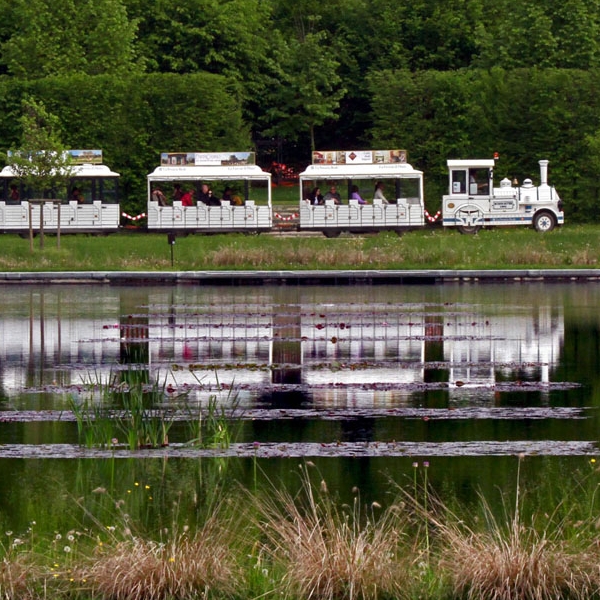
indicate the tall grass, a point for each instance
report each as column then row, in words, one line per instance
column 327, row 552
column 137, row 414
column 529, row 559
column 181, row 565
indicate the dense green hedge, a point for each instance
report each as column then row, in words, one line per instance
column 133, row 119
column 523, row 114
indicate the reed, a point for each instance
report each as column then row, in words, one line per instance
column 134, row 411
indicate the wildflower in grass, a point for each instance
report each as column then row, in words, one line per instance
column 67, row 549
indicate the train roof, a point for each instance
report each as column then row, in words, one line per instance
column 357, row 171
column 208, row 172
column 473, row 163
column 84, row 170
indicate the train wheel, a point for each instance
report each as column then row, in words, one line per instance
column 468, row 229
column 543, row 221
column 331, row 234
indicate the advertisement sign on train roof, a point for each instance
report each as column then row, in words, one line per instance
column 364, row 157
column 207, row 159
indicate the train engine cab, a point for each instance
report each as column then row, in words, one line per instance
column 209, row 192
column 473, row 202
column 361, row 191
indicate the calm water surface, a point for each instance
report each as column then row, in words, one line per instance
column 362, row 381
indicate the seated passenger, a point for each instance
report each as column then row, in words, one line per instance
column 227, row 195
column 158, row 196
column 334, row 195
column 206, row 196
column 177, row 192
column 14, row 193
column 188, row 198
column 77, row 195
column 315, row 197
column 355, row 195
column 378, row 194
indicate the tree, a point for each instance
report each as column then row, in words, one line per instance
column 72, row 36
column 308, row 90
column 41, row 162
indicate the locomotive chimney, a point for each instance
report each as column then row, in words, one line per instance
column 543, row 172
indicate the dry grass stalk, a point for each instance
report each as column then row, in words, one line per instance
column 327, row 553
column 14, row 578
column 139, row 569
column 514, row 562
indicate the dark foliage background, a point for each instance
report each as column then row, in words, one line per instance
column 440, row 78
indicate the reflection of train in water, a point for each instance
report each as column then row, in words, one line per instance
column 356, row 192
column 340, row 354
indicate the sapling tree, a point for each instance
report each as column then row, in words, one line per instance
column 41, row 162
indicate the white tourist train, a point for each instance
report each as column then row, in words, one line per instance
column 473, row 202
column 203, row 192
column 88, row 202
column 226, row 192
column 361, row 191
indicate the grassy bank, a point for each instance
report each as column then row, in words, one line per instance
column 304, row 544
column 568, row 247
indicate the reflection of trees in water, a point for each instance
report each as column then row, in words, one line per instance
column 361, row 429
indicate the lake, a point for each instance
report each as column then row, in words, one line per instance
column 368, row 383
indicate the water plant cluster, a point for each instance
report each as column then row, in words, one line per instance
column 272, row 542
column 136, row 414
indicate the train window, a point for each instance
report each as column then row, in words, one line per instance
column 459, row 182
column 478, row 181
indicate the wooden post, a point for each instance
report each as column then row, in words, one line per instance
column 41, row 223
column 58, row 227
column 30, row 226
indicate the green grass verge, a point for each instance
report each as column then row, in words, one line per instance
column 574, row 246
